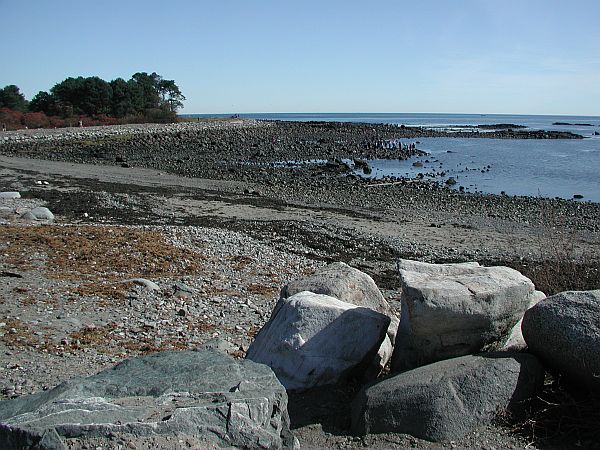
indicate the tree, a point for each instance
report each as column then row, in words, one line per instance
column 43, row 102
column 146, row 95
column 76, row 96
column 149, row 89
column 96, row 97
column 67, row 94
column 122, row 103
column 11, row 97
column 171, row 96
column 159, row 93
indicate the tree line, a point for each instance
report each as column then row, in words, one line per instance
column 92, row 100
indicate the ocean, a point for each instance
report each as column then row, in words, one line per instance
column 548, row 168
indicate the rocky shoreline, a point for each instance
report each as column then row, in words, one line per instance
column 222, row 235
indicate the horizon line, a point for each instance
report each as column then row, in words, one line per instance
column 388, row 113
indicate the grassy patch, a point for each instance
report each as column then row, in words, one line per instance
column 260, row 289
column 71, row 252
column 17, row 334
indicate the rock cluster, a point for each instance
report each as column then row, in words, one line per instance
column 14, row 208
column 448, row 376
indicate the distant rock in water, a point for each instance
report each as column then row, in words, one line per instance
column 573, row 124
column 500, row 126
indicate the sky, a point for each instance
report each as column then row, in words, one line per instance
column 241, row 56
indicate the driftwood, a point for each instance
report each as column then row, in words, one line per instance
column 392, row 183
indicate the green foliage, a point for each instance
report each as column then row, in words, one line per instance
column 144, row 97
column 43, row 102
column 11, row 97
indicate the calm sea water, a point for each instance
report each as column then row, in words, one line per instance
column 548, row 168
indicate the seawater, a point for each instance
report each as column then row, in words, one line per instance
column 548, row 168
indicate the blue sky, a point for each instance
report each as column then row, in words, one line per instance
column 471, row 56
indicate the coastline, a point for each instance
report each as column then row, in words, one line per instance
column 251, row 228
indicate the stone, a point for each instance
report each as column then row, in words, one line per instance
column 343, row 282
column 218, row 344
column 564, row 332
column 147, row 284
column 38, row 213
column 349, row 285
column 516, row 341
column 42, row 213
column 28, row 216
column 451, row 310
column 446, row 400
column 182, row 291
column 195, row 394
column 9, row 195
column 315, row 340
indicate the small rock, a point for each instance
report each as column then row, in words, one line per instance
column 147, row 284
column 9, row 195
column 42, row 213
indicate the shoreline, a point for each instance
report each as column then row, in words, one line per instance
column 247, row 150
column 234, row 238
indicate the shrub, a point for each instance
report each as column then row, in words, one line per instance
column 35, row 120
column 12, row 119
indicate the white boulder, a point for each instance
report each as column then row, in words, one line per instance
column 9, row 195
column 314, row 340
column 350, row 285
column 451, row 310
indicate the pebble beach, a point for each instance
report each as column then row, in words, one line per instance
column 219, row 215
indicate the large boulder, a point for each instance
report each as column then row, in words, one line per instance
column 564, row 332
column 451, row 310
column 445, row 400
column 314, row 340
column 343, row 282
column 349, row 285
column 205, row 397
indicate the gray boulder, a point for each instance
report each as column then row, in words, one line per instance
column 564, row 332
column 38, row 213
column 343, row 282
column 447, row 399
column 9, row 195
column 202, row 395
column 349, row 285
column 451, row 310
column 314, row 340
